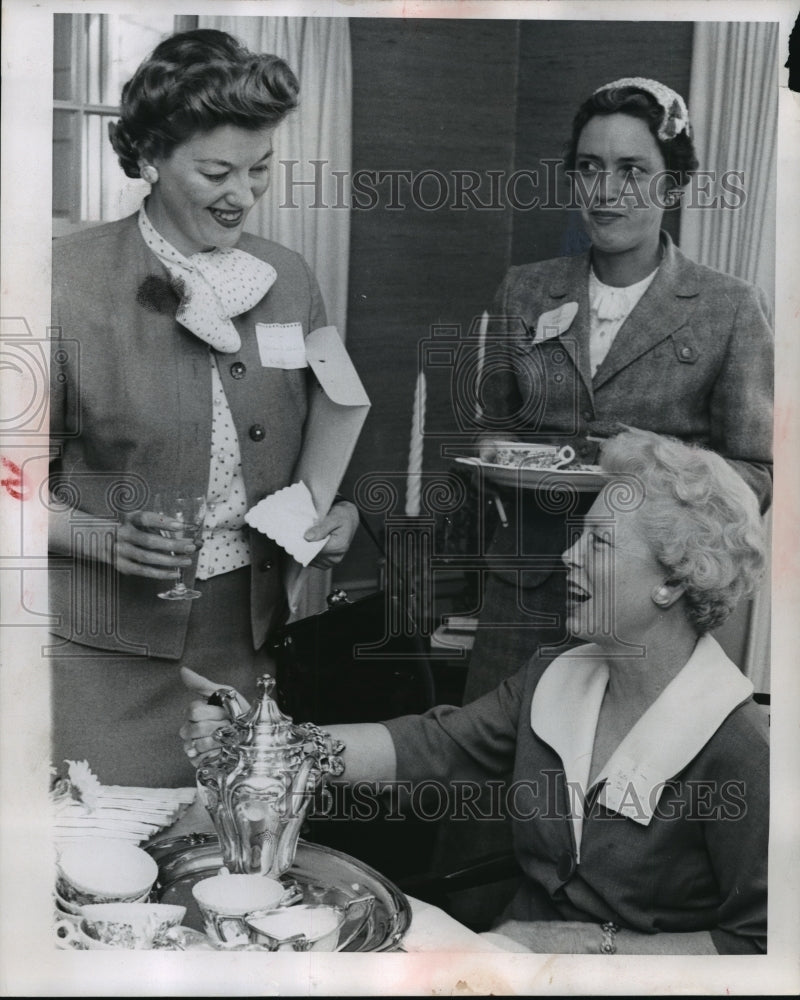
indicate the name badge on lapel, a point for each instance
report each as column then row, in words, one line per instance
column 555, row 322
column 281, row 345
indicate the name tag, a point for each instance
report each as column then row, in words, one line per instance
column 281, row 345
column 555, row 322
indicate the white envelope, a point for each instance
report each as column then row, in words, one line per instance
column 337, row 410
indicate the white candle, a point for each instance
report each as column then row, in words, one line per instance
column 414, row 479
column 481, row 361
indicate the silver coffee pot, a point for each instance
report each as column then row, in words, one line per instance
column 257, row 788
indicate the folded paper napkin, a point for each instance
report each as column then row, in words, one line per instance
column 83, row 807
column 285, row 517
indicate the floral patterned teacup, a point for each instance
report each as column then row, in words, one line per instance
column 103, row 871
column 129, row 925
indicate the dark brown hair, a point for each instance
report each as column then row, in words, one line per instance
column 679, row 153
column 191, row 83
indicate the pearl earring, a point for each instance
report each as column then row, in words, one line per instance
column 661, row 596
column 149, row 174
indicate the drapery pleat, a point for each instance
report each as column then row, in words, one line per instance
column 306, row 205
column 733, row 105
column 313, row 142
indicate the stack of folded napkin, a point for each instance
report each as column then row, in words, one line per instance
column 85, row 808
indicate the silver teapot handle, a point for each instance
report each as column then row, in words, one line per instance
column 227, row 698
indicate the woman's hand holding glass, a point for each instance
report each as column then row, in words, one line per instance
column 182, row 520
column 141, row 550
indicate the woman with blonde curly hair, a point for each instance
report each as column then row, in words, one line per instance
column 639, row 801
column 702, row 527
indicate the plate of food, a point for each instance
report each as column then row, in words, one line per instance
column 535, row 466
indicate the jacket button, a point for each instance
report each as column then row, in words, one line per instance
column 257, row 432
column 265, row 565
column 238, row 369
column 686, row 352
column 566, row 866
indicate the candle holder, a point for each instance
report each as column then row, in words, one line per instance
column 410, row 549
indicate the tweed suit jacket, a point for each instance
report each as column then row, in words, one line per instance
column 679, row 844
column 131, row 411
column 694, row 359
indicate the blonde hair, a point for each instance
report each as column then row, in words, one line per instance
column 701, row 519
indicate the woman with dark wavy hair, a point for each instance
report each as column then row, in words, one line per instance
column 639, row 796
column 189, row 374
column 630, row 333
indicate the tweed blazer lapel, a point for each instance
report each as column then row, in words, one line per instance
column 572, row 285
column 178, row 359
column 666, row 306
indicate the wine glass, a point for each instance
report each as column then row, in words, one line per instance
column 190, row 512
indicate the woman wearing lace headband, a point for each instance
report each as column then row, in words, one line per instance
column 632, row 333
column 169, row 387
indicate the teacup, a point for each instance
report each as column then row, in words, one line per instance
column 307, row 927
column 77, row 908
column 313, row 926
column 70, row 934
column 129, row 925
column 226, row 900
column 104, row 871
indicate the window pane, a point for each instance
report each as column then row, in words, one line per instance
column 93, row 56
column 65, row 155
column 95, row 53
column 91, row 172
column 63, row 89
column 115, row 45
column 131, row 37
column 107, row 193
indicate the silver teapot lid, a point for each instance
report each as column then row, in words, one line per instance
column 263, row 727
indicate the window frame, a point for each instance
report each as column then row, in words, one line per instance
column 80, row 109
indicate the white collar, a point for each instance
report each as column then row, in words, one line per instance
column 610, row 302
column 566, row 706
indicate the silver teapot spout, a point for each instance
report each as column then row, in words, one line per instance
column 258, row 788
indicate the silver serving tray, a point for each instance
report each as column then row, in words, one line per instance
column 590, row 479
column 322, row 873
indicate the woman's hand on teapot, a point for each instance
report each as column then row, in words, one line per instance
column 339, row 525
column 202, row 718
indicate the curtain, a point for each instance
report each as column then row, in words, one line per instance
column 305, row 205
column 733, row 105
column 319, row 131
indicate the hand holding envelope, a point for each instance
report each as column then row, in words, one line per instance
column 289, row 517
column 336, row 530
column 337, row 410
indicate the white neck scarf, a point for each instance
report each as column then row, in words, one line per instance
column 215, row 286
